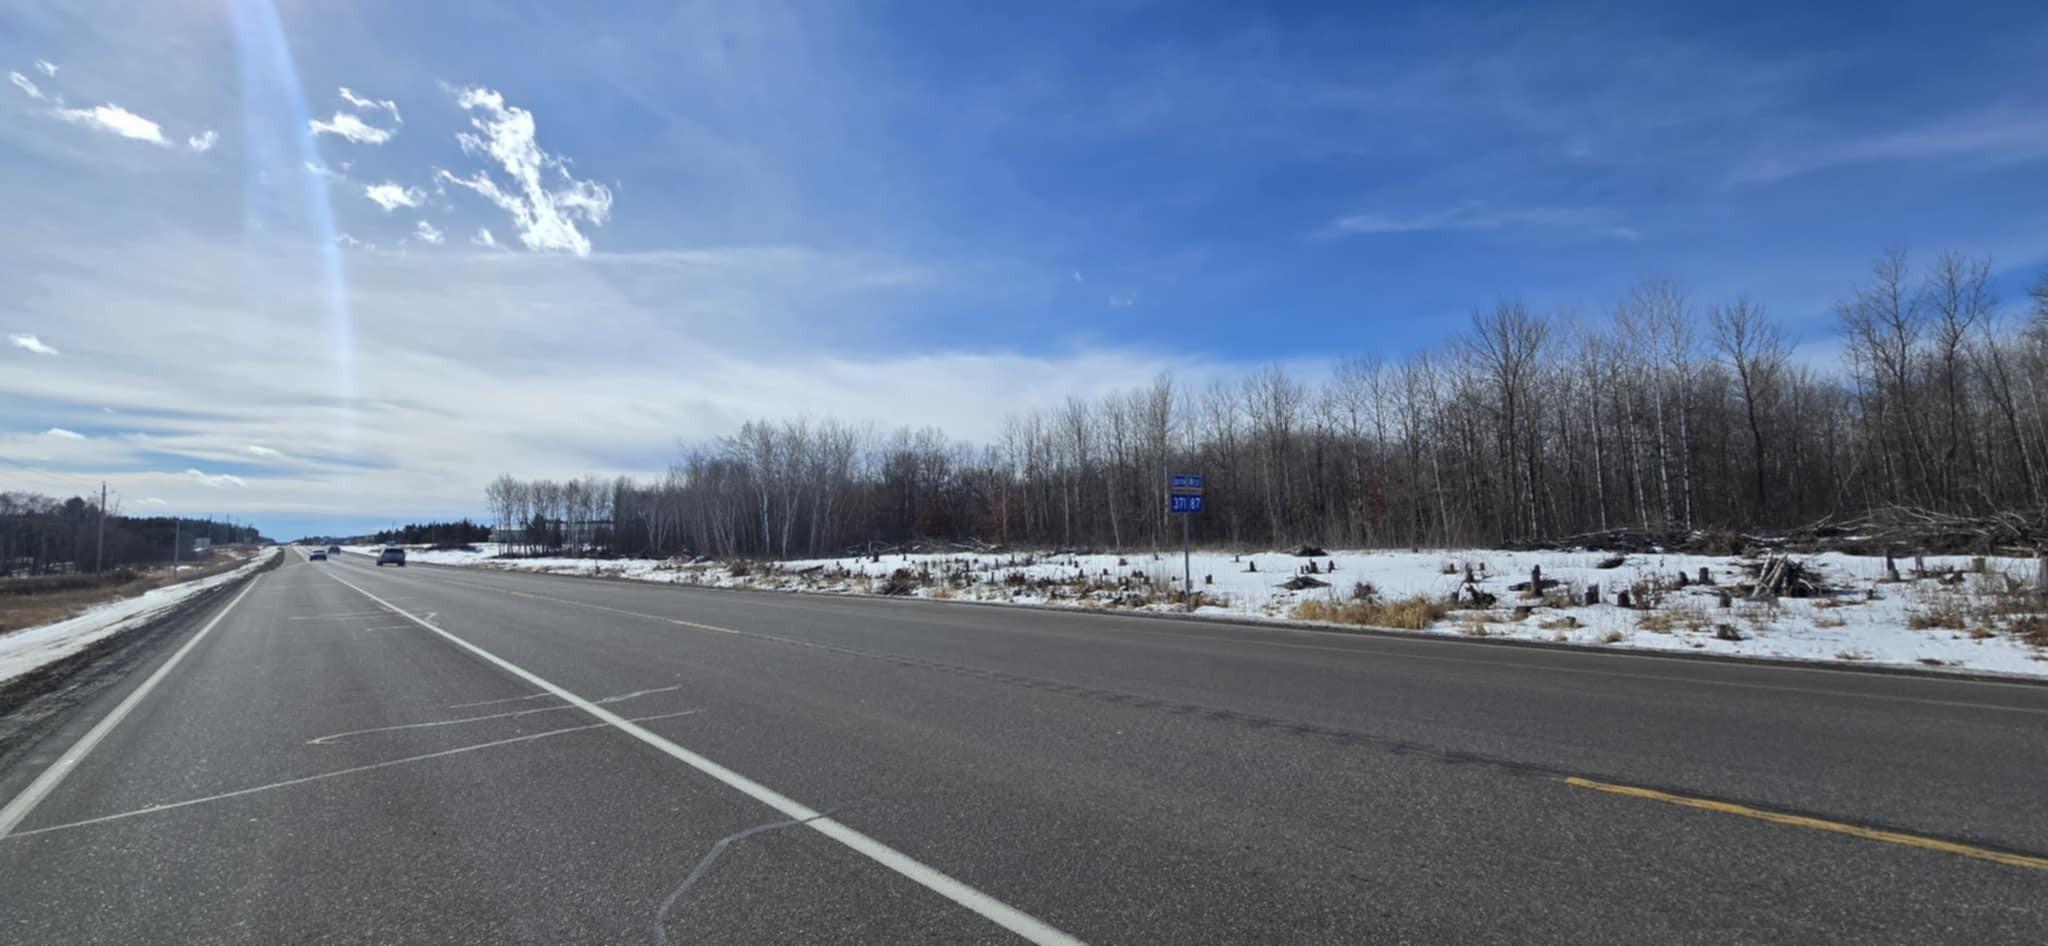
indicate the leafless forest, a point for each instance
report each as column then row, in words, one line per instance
column 1667, row 414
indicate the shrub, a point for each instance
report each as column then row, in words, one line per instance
column 1410, row 614
column 1945, row 612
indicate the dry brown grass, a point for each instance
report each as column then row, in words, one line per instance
column 1473, row 623
column 1944, row 612
column 1564, row 623
column 18, row 611
column 1676, row 617
column 1410, row 614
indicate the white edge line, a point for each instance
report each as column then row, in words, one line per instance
column 1002, row 914
column 51, row 777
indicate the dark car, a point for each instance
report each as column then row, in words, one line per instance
column 317, row 556
column 392, row 555
column 334, row 550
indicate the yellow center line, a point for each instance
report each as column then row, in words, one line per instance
column 1818, row 824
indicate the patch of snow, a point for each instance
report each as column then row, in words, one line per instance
column 30, row 648
column 1866, row 621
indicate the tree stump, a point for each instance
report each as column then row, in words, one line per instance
column 1706, row 577
column 1592, row 594
column 1621, row 599
column 1724, row 600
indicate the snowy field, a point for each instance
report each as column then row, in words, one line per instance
column 29, row 648
column 1941, row 614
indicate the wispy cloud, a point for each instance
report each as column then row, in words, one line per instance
column 27, row 86
column 46, row 67
column 348, row 126
column 262, row 451
column 1123, row 300
column 484, row 238
column 62, row 434
column 391, row 196
column 31, row 344
column 152, row 501
column 215, row 480
column 115, row 120
column 1995, row 135
column 1478, row 215
column 202, row 142
column 428, row 233
column 358, row 101
column 545, row 201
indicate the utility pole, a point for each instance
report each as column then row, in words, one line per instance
column 177, row 539
column 99, row 553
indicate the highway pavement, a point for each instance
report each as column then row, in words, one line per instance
column 346, row 754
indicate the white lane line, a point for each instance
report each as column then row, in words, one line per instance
column 287, row 783
column 1028, row 927
column 37, row 790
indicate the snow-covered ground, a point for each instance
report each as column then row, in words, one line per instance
column 29, row 648
column 1864, row 620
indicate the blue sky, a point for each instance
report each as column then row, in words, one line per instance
column 250, row 291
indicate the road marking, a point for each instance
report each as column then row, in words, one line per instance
column 1028, row 927
column 508, row 699
column 19, row 808
column 1818, row 824
column 331, row 738
column 287, row 783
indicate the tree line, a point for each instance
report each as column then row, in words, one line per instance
column 40, row 535
column 1666, row 414
column 446, row 534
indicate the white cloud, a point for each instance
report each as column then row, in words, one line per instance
column 46, row 67
column 484, row 238
column 31, row 343
column 115, row 120
column 428, row 233
column 1994, row 135
column 360, row 102
column 62, row 434
column 1478, row 215
column 215, row 481
column 544, row 200
column 262, row 451
column 1123, row 300
column 1077, row 276
column 23, row 83
column 346, row 125
column 202, row 142
column 343, row 239
column 152, row 501
column 391, row 196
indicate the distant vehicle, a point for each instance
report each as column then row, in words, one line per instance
column 334, row 550
column 317, row 556
column 392, row 555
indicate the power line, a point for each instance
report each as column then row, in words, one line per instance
column 89, row 485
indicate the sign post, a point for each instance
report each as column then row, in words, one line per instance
column 1185, row 500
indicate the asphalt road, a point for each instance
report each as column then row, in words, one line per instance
column 427, row 755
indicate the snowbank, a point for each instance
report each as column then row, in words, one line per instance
column 1865, row 619
column 30, row 648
